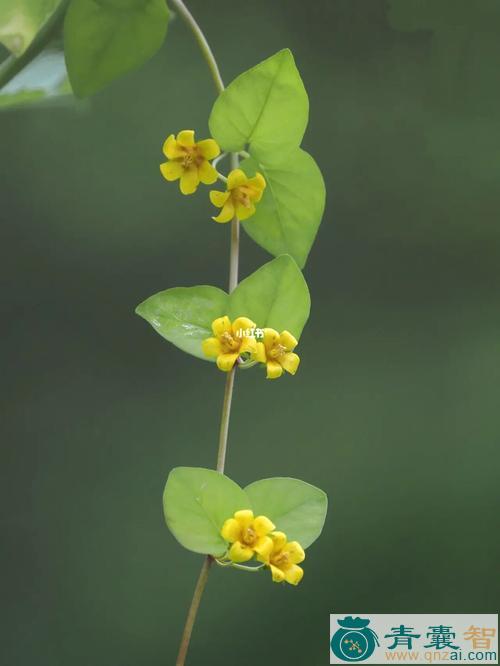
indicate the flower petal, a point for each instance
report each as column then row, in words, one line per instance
column 244, row 212
column 219, row 198
column 221, row 325
column 263, row 547
column 236, row 178
column 274, row 370
column 242, row 323
column 256, row 195
column 277, row 574
column 208, row 148
column 231, row 530
column 257, row 186
column 186, row 138
column 240, row 553
column 189, row 180
column 279, row 540
column 248, row 346
column 290, row 362
column 171, row 170
column 263, row 526
column 294, row 574
column 271, row 338
column 244, row 518
column 171, row 149
column 260, row 353
column 211, row 347
column 207, row 173
column 288, row 340
column 225, row 362
column 258, row 182
column 295, row 552
column 227, row 213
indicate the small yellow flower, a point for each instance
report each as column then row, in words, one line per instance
column 284, row 558
column 249, row 536
column 230, row 341
column 240, row 197
column 189, row 161
column 277, row 353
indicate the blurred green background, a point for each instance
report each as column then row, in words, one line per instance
column 394, row 411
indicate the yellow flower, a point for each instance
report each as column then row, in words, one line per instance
column 277, row 353
column 249, row 536
column 284, row 558
column 230, row 341
column 189, row 161
column 240, row 198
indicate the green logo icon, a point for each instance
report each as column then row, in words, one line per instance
column 354, row 641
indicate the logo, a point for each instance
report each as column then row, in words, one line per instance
column 426, row 638
column 354, row 641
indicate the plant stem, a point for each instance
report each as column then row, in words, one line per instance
column 202, row 42
column 234, row 253
column 193, row 611
column 224, row 422
column 233, row 281
column 219, row 85
column 13, row 65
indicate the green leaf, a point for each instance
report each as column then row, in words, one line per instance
column 184, row 315
column 266, row 107
column 276, row 295
column 196, row 503
column 105, row 39
column 294, row 506
column 20, row 20
column 289, row 214
column 43, row 81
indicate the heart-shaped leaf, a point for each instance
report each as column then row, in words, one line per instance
column 196, row 503
column 294, row 506
column 184, row 315
column 104, row 39
column 289, row 214
column 276, row 295
column 266, row 107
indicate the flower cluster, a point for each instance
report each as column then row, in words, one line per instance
column 251, row 536
column 189, row 161
column 243, row 342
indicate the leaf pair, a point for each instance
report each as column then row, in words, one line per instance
column 197, row 501
column 266, row 109
column 275, row 296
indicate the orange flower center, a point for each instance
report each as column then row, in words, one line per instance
column 229, row 343
column 243, row 196
column 191, row 157
column 249, row 536
column 188, row 160
column 280, row 560
column 277, row 352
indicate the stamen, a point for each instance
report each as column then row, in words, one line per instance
column 228, row 341
column 249, row 536
column 281, row 559
column 277, row 352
